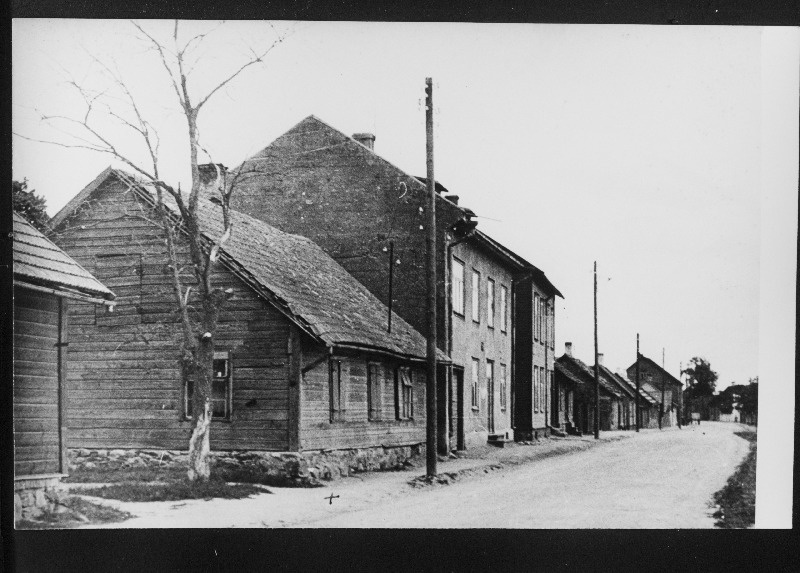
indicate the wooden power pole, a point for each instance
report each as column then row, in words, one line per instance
column 638, row 412
column 430, row 394
column 596, row 368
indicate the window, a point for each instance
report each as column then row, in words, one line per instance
column 476, row 295
column 503, row 388
column 336, row 391
column 552, row 325
column 503, row 310
column 474, row 398
column 535, row 388
column 405, row 394
column 373, row 392
column 542, row 319
column 536, row 316
column 457, row 286
column 221, row 403
column 490, row 303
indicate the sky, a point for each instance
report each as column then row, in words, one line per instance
column 639, row 147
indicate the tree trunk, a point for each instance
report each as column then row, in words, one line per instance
column 199, row 447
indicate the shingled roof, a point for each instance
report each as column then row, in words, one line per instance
column 585, row 374
column 39, row 262
column 670, row 378
column 301, row 280
column 642, row 393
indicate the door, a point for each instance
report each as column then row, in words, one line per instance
column 459, row 395
column 490, row 395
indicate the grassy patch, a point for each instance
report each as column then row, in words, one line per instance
column 72, row 512
column 173, row 490
column 117, row 474
column 737, row 500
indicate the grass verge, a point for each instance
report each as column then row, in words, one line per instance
column 173, row 490
column 72, row 512
column 737, row 500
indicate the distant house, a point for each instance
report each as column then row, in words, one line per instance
column 303, row 357
column 581, row 376
column 647, row 404
column 46, row 280
column 656, row 382
column 495, row 310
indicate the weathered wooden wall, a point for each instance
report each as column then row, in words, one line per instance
column 37, row 443
column 356, row 430
column 124, row 384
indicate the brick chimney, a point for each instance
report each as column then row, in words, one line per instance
column 568, row 348
column 452, row 198
column 208, row 172
column 600, row 358
column 365, row 139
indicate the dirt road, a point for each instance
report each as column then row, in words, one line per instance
column 651, row 480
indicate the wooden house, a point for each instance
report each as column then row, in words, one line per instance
column 657, row 382
column 46, row 283
column 304, row 356
column 582, row 376
column 369, row 215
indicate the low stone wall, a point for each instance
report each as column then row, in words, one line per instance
column 34, row 494
column 273, row 468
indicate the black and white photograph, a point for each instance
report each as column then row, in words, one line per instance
column 309, row 274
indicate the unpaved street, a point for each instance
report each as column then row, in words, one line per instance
column 650, row 480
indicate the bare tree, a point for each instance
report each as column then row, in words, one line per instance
column 177, row 211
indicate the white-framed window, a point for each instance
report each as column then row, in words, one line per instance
column 535, row 388
column 503, row 388
column 374, row 383
column 457, row 287
column 476, row 296
column 337, row 391
column 405, row 393
column 542, row 319
column 503, row 309
column 474, row 384
column 536, row 310
column 490, row 303
column 221, row 388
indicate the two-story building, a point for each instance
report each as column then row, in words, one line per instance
column 657, row 382
column 494, row 309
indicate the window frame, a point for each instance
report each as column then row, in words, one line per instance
column 536, row 317
column 335, row 390
column 404, row 394
column 188, row 389
column 490, row 303
column 535, row 388
column 475, row 402
column 503, row 308
column 453, row 285
column 476, row 296
column 374, row 394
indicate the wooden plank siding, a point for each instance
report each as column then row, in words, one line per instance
column 356, row 430
column 123, row 376
column 37, row 439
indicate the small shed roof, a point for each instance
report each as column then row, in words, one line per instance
column 37, row 261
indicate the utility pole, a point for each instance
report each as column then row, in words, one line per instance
column 663, row 382
column 638, row 417
column 596, row 369
column 431, row 414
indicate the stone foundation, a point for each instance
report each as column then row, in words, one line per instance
column 35, row 494
column 273, row 468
